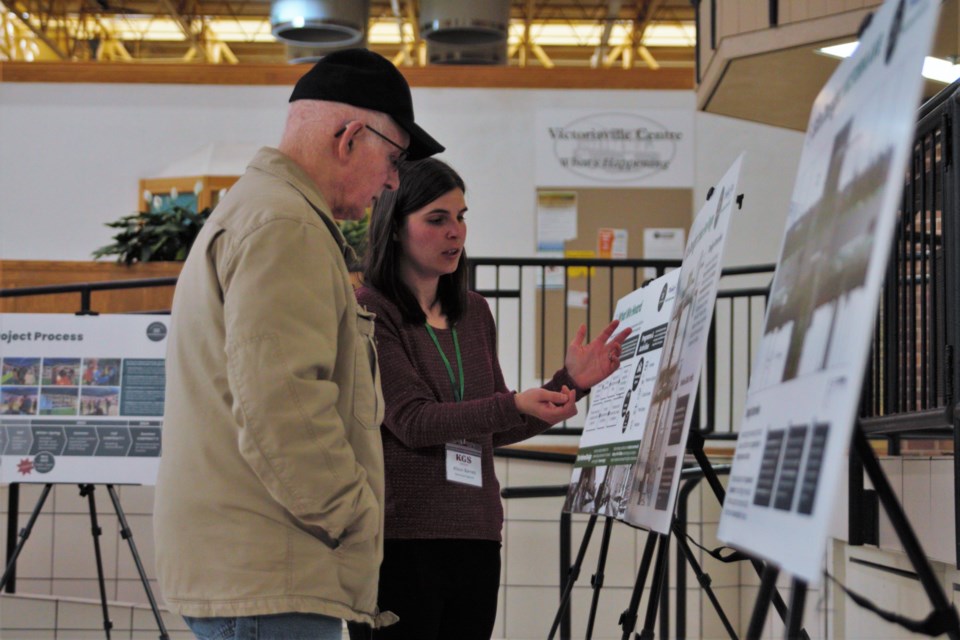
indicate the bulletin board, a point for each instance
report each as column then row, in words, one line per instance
column 632, row 209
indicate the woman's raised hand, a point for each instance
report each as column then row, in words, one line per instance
column 589, row 364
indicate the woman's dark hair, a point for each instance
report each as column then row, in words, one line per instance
column 421, row 183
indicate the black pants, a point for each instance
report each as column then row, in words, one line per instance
column 441, row 589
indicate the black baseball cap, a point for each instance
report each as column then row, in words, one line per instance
column 365, row 79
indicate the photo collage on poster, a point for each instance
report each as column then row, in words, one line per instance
column 52, row 386
column 55, row 386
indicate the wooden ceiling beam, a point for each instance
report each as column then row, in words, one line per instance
column 287, row 75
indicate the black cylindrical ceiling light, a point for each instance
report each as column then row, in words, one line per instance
column 320, row 25
column 465, row 31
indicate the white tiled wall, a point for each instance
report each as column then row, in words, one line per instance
column 57, row 565
column 24, row 617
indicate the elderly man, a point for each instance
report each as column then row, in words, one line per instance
column 269, row 500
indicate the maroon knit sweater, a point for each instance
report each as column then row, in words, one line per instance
column 422, row 416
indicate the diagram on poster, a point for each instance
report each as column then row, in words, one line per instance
column 81, row 398
column 803, row 397
column 618, row 408
column 653, row 487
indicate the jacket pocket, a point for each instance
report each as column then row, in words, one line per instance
column 367, row 395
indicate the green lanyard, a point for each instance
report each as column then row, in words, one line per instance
column 457, row 394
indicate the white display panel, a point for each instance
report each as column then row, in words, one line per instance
column 81, row 398
column 805, row 390
column 618, row 405
column 653, row 488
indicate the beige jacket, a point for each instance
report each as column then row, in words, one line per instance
column 270, row 492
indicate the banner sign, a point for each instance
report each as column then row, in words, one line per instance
column 596, row 148
column 81, row 398
column 618, row 405
column 804, row 393
column 656, row 479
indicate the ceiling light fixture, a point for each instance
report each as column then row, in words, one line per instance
column 936, row 69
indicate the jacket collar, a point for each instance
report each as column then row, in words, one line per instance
column 279, row 165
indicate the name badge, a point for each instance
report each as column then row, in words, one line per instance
column 463, row 464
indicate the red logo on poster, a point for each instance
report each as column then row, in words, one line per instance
column 25, row 466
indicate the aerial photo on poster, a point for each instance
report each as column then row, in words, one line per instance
column 653, row 487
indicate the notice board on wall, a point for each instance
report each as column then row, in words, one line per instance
column 633, row 210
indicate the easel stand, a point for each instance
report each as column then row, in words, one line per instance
column 628, row 618
column 944, row 615
column 87, row 491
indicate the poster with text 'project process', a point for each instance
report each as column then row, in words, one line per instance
column 653, row 487
column 803, row 397
column 81, row 398
column 618, row 405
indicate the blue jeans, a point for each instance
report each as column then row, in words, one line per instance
column 284, row 626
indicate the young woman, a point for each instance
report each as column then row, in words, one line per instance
column 447, row 407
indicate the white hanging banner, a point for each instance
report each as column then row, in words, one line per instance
column 653, row 489
column 614, row 149
column 803, row 397
column 81, row 398
column 618, row 405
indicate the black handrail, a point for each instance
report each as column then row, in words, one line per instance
column 86, row 288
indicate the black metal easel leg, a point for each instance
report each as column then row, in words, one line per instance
column 86, row 491
column 127, row 535
column 596, row 581
column 703, row 578
column 798, row 599
column 24, row 534
column 13, row 515
column 905, row 533
column 566, row 542
column 660, row 573
column 768, row 585
column 628, row 619
column 572, row 576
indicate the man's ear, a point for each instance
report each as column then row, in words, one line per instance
column 346, row 138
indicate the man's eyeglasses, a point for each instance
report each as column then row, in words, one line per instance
column 394, row 161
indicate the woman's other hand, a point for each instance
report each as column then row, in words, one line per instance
column 591, row 363
column 549, row 406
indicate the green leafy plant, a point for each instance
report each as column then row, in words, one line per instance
column 154, row 235
column 355, row 233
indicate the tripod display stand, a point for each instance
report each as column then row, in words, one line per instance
column 87, row 491
column 660, row 544
column 942, row 620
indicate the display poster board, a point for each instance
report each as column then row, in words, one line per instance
column 653, row 488
column 614, row 148
column 618, row 405
column 81, row 398
column 802, row 401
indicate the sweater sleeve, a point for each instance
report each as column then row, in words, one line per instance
column 412, row 412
